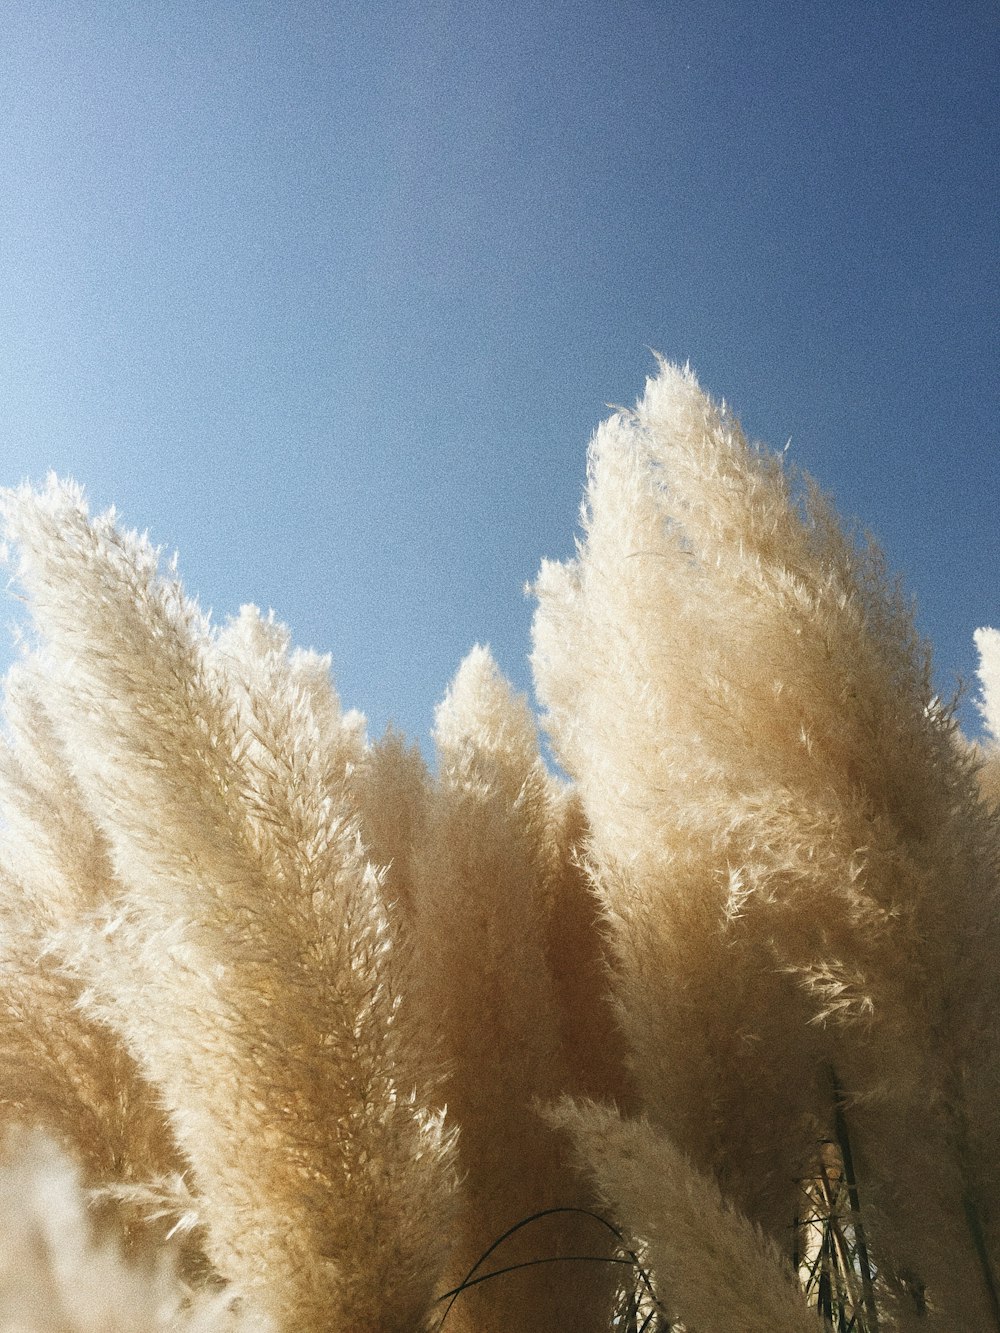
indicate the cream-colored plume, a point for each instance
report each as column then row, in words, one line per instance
column 390, row 787
column 988, row 643
column 247, row 961
column 793, row 858
column 712, row 1270
column 57, row 1277
column 58, row 1067
column 481, row 979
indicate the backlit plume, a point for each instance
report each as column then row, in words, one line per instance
column 304, row 1034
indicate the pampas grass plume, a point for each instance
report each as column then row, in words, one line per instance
column 246, row 960
column 479, row 923
column 295, row 1026
column 57, row 1277
column 712, row 1270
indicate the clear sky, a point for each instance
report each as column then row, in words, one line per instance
column 330, row 295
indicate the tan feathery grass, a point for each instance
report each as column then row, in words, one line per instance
column 478, row 920
column 988, row 643
column 246, row 956
column 58, row 1067
column 789, row 844
column 713, row 1271
column 250, row 974
column 57, row 1276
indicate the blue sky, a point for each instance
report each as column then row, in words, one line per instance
column 330, row 296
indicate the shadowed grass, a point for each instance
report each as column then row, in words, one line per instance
column 627, row 1259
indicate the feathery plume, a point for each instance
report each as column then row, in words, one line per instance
column 712, row 1269
column 390, row 787
column 988, row 643
column 59, row 1068
column 789, row 844
column 247, row 961
column 481, row 978
column 57, row 1277
column 616, row 647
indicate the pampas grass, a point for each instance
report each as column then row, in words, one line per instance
column 713, row 1269
column 246, row 960
column 776, row 798
column 59, row 1068
column 988, row 643
column 57, row 1277
column 490, row 856
column 296, row 1029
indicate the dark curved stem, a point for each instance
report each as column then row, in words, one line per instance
column 861, row 1241
column 470, row 1280
column 534, row 1263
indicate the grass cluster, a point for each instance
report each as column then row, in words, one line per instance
column 298, row 1034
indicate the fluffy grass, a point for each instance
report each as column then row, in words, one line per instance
column 319, row 1039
